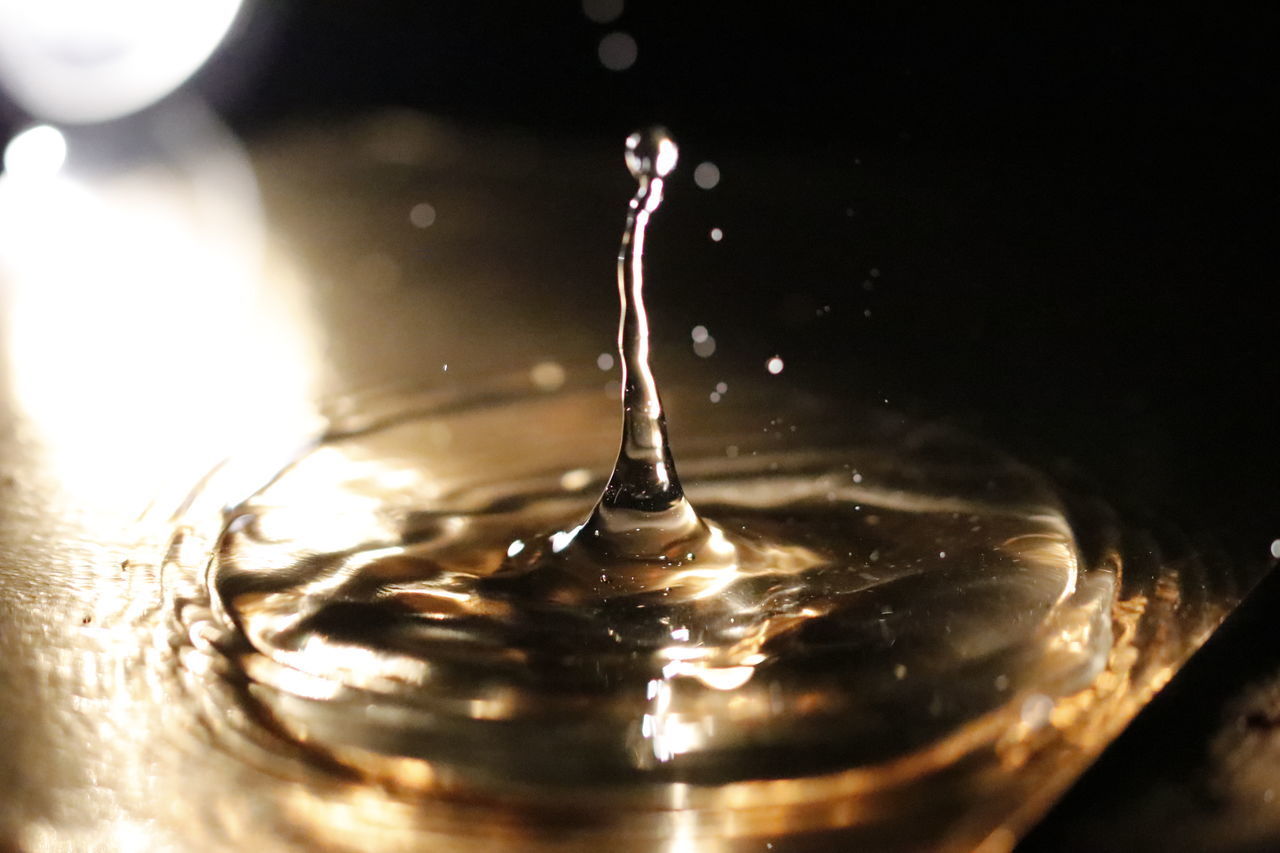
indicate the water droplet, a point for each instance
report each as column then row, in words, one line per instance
column 617, row 51
column 706, row 175
column 774, row 365
column 602, row 11
column 716, row 235
column 547, row 375
column 422, row 215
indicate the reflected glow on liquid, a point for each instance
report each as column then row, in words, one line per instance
column 127, row 295
column 353, row 596
column 166, row 763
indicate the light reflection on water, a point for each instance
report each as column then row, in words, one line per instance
column 130, row 291
column 112, row 339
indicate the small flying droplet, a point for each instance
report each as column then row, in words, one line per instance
column 706, row 175
column 422, row 215
column 602, row 11
column 547, row 375
column 774, row 365
column 617, row 51
column 37, row 152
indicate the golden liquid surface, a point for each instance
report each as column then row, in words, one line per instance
column 885, row 595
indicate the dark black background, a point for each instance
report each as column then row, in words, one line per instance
column 1096, row 277
column 1084, row 267
column 1073, row 205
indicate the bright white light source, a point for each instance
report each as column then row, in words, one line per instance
column 36, row 152
column 618, row 52
column 717, row 235
column 774, row 365
column 92, row 60
column 706, row 175
column 515, row 548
